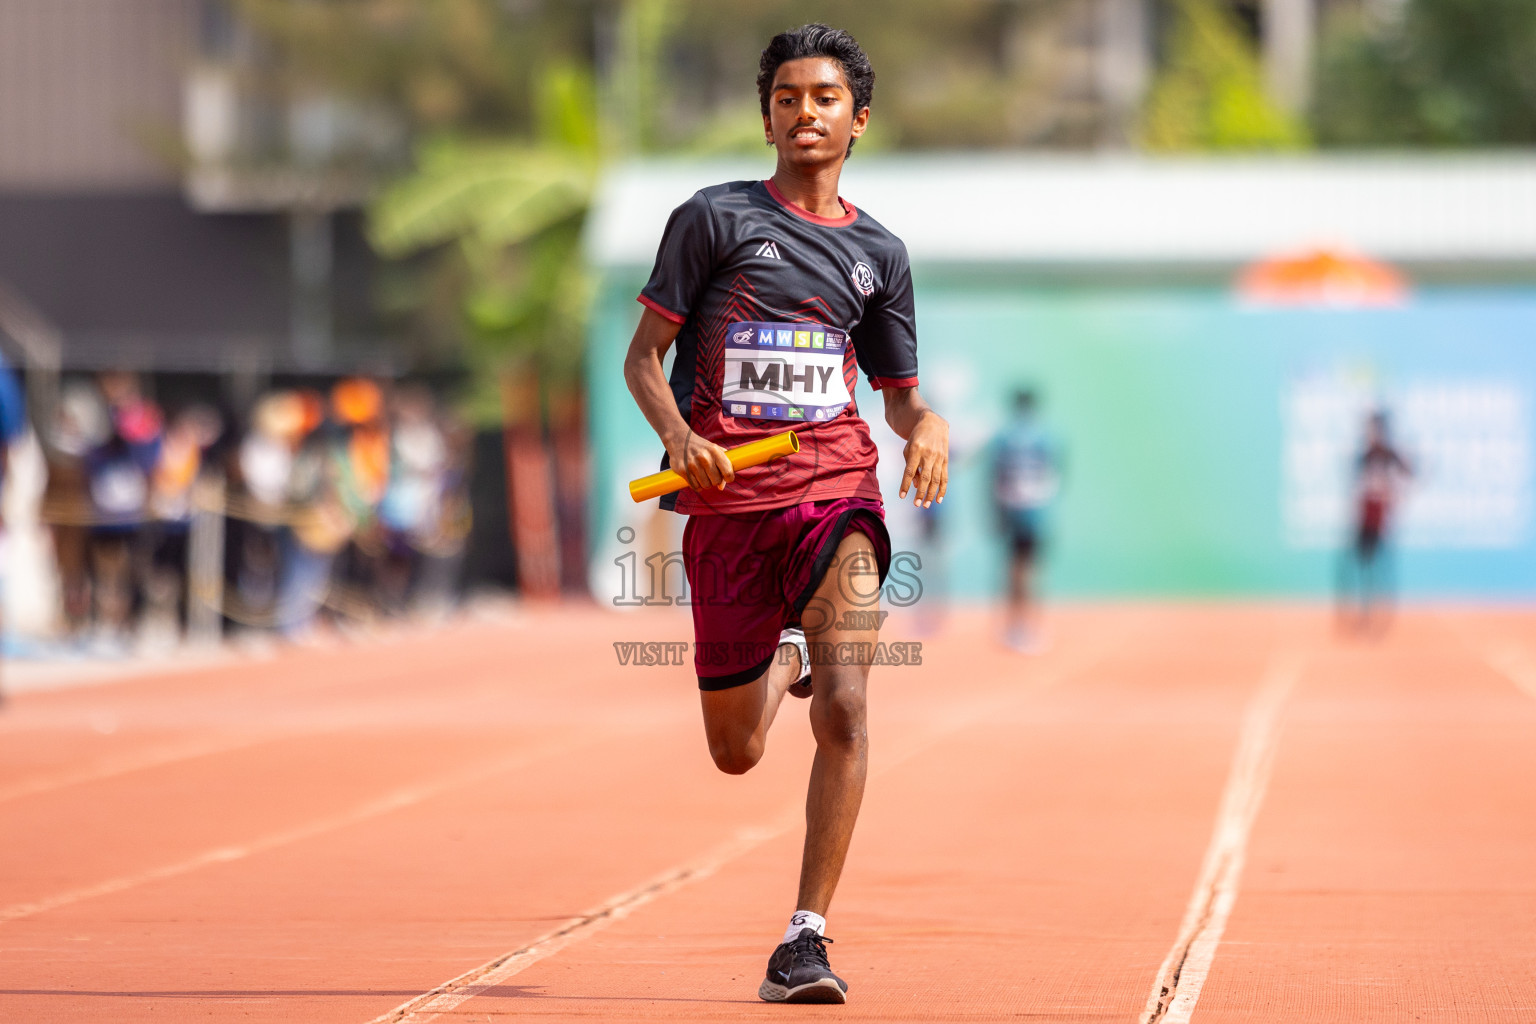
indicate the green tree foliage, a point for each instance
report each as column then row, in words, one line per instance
column 960, row 74
column 482, row 221
column 1437, row 73
column 504, row 221
column 464, row 65
column 1209, row 94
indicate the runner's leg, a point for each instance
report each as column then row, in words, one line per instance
column 837, row 718
column 1017, row 588
column 736, row 720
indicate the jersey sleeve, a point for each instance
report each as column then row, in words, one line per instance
column 885, row 340
column 684, row 261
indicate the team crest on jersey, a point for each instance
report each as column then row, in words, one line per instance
column 863, row 278
column 770, row 250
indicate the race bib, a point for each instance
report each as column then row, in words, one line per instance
column 784, row 371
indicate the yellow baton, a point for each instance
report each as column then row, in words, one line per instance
column 754, row 453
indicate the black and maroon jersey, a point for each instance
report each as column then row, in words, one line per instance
column 779, row 310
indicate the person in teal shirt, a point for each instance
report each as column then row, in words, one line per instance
column 1026, row 475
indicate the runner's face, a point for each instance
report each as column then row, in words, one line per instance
column 811, row 119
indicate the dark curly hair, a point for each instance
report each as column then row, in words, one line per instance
column 818, row 40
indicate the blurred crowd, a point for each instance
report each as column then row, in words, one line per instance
column 322, row 505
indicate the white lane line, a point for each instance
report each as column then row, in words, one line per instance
column 1512, row 661
column 399, row 799
column 46, row 676
column 153, row 758
column 452, row 994
column 1183, row 973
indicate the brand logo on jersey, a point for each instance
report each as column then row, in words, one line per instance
column 770, row 250
column 863, row 278
column 738, row 408
column 742, row 337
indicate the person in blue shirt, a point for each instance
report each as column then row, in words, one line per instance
column 1026, row 474
column 13, row 423
column 13, row 415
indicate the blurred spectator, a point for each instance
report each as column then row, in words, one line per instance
column 118, row 472
column 412, row 502
column 338, row 480
column 79, row 426
column 167, row 530
column 265, row 464
column 13, row 423
column 1365, row 574
column 443, row 544
column 346, row 502
column 363, row 464
column 1026, row 470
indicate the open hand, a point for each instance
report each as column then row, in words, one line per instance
column 927, row 455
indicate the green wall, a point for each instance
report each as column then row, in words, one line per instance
column 1171, row 406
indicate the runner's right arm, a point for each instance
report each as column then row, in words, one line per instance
column 703, row 463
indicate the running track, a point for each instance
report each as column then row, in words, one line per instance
column 1227, row 803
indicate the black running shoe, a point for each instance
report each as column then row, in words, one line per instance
column 798, row 972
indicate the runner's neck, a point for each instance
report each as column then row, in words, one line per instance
column 813, row 190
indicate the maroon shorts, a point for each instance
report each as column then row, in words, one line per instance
column 751, row 574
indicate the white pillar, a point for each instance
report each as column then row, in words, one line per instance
column 1289, row 27
column 205, row 561
column 1123, row 66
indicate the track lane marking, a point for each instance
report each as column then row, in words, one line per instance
column 155, row 757
column 1182, row 975
column 399, row 799
column 453, row 993
column 1513, row 662
column 172, row 753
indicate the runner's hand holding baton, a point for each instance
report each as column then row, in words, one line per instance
column 708, row 464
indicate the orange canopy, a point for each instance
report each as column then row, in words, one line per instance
column 1322, row 277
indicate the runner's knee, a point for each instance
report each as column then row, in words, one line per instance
column 837, row 714
column 735, row 753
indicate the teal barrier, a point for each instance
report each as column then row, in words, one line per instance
column 1207, row 445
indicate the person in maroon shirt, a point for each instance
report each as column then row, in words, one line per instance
column 776, row 294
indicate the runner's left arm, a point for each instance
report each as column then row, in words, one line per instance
column 927, row 448
column 885, row 344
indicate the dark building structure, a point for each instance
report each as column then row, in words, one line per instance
column 127, row 225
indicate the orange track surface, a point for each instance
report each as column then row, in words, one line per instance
column 328, row 834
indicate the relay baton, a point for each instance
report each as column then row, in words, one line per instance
column 753, row 454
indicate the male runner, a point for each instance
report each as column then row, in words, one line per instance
column 777, row 293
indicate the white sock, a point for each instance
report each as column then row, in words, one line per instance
column 804, row 919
